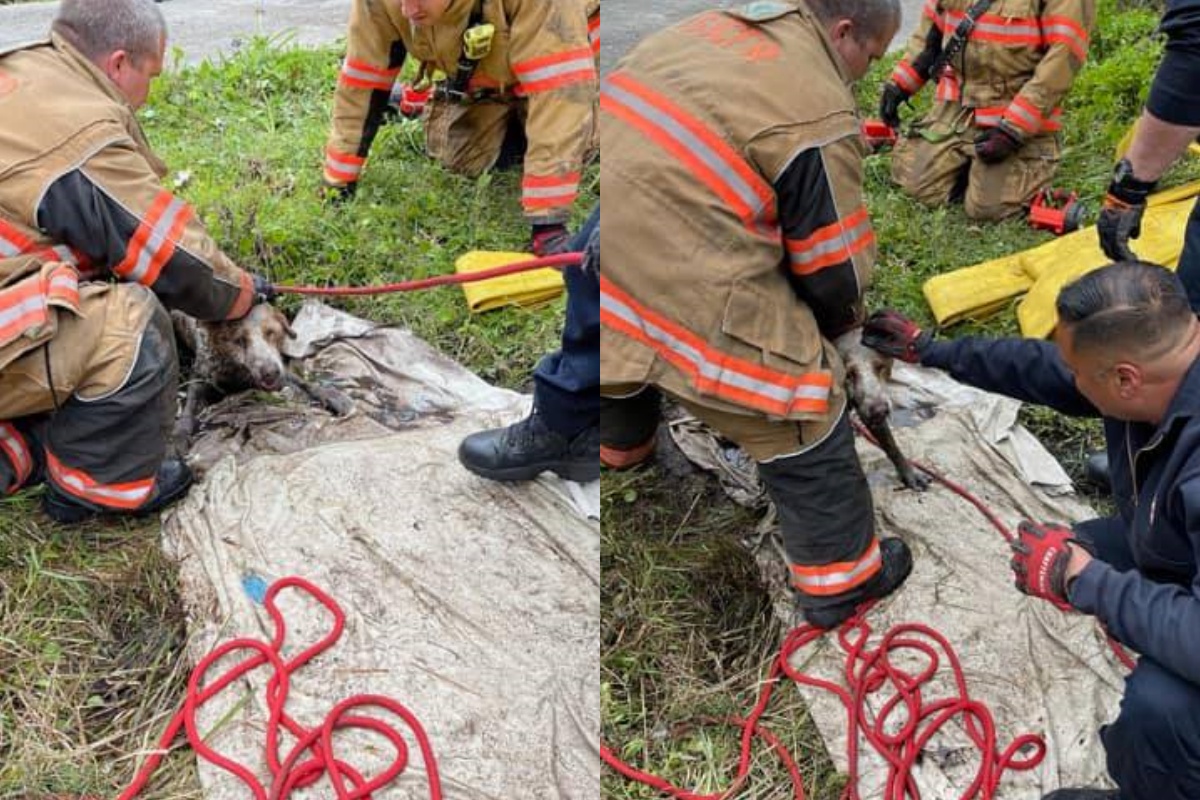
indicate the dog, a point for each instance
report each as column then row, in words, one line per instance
column 237, row 355
column 867, row 374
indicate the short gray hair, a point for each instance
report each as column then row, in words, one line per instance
column 874, row 18
column 98, row 28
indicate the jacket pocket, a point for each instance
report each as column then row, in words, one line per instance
column 27, row 309
column 777, row 326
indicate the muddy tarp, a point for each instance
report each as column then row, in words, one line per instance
column 473, row 603
column 1039, row 670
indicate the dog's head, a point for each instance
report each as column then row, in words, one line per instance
column 867, row 375
column 254, row 344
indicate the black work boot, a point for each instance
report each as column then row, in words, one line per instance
column 897, row 564
column 1095, row 469
column 1083, row 794
column 525, row 449
column 171, row 483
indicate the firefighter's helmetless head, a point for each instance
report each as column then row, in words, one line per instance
column 125, row 39
column 424, row 12
column 860, row 30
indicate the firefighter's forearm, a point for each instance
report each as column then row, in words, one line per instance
column 1157, row 145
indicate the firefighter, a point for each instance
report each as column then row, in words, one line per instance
column 1127, row 351
column 88, row 369
column 991, row 139
column 737, row 254
column 562, row 432
column 519, row 77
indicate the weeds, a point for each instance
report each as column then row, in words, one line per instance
column 91, row 624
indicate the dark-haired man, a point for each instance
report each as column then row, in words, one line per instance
column 737, row 252
column 1127, row 350
column 88, row 370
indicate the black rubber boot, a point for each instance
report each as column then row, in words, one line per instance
column 172, row 482
column 1083, row 794
column 1095, row 469
column 897, row 564
column 525, row 449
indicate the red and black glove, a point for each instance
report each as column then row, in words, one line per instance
column 1039, row 562
column 548, row 240
column 1121, row 218
column 895, row 335
column 889, row 104
column 997, row 144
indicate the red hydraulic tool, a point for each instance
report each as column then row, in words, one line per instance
column 1056, row 210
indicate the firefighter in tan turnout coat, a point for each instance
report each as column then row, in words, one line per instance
column 531, row 93
column 88, row 369
column 991, row 139
column 737, row 252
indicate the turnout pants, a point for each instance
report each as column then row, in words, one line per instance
column 812, row 474
column 469, row 138
column 566, row 383
column 934, row 162
column 91, row 410
column 1153, row 746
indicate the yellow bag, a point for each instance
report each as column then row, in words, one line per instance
column 521, row 289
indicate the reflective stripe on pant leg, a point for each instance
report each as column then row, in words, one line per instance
column 16, row 458
column 106, row 451
column 566, row 383
column 1153, row 746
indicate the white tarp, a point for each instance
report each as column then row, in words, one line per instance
column 1039, row 670
column 475, row 604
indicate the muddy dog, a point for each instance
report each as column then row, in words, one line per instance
column 867, row 374
column 233, row 356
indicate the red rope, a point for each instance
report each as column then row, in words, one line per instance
column 867, row 674
column 313, row 755
column 556, row 261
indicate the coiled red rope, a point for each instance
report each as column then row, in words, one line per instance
column 557, row 261
column 313, row 755
column 873, row 673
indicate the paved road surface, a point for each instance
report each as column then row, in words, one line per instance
column 203, row 28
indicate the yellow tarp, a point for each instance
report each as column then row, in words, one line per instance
column 1039, row 273
column 521, row 289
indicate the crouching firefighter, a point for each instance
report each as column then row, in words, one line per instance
column 88, row 368
column 737, row 253
column 514, row 81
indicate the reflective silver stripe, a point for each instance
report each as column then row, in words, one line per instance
column 686, row 139
column 1066, row 32
column 566, row 190
column 707, row 369
column 65, row 254
column 60, row 282
column 834, row 580
column 578, row 64
column 16, row 449
column 842, row 241
column 1014, row 29
column 8, row 249
column 383, row 81
column 342, row 166
column 11, row 314
column 81, row 487
column 1017, row 111
column 158, row 236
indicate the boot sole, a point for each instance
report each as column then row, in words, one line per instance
column 568, row 470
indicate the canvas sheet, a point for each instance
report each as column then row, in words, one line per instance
column 474, row 604
column 1039, row 670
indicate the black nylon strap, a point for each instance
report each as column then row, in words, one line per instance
column 958, row 40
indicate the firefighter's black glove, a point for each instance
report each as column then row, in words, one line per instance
column 889, row 104
column 1039, row 562
column 264, row 290
column 895, row 335
column 997, row 144
column 548, row 240
column 1121, row 217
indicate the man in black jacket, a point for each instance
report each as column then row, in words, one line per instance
column 1170, row 122
column 1127, row 350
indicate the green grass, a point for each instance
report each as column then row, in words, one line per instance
column 91, row 624
column 687, row 628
